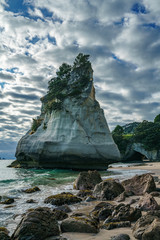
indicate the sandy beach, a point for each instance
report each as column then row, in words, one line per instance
column 154, row 169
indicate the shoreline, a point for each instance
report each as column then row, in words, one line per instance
column 154, row 169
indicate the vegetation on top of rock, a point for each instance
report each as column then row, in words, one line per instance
column 147, row 133
column 63, row 85
column 121, row 139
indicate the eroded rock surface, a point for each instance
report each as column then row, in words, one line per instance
column 108, row 190
column 37, row 224
column 71, row 131
column 140, row 184
column 87, row 180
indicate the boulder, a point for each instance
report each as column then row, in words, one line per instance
column 37, row 224
column 112, row 225
column 59, row 214
column 121, row 237
column 108, row 190
column 84, row 193
column 102, row 211
column 7, row 201
column 62, row 198
column 80, row 223
column 142, row 224
column 124, row 212
column 4, row 236
column 65, row 208
column 140, row 184
column 32, row 190
column 147, row 203
column 87, row 180
column 153, row 231
column 71, row 131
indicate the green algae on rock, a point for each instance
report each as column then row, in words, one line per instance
column 62, row 198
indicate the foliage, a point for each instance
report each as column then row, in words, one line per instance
column 122, row 140
column 118, row 130
column 157, row 119
column 58, row 86
column 35, row 124
column 81, row 60
column 148, row 134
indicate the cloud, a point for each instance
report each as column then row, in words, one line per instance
column 122, row 38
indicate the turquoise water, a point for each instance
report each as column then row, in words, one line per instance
column 13, row 181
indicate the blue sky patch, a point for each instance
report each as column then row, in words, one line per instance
column 139, row 8
column 51, row 40
column 152, row 25
column 12, row 70
column 2, row 84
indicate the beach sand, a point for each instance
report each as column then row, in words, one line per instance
column 154, row 169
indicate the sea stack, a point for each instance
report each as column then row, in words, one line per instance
column 71, row 131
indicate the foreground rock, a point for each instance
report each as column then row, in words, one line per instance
column 124, row 212
column 7, row 201
column 71, row 131
column 87, row 180
column 80, row 223
column 62, row 198
column 108, row 190
column 37, row 224
column 121, row 237
column 102, row 211
column 140, row 184
column 4, row 234
column 147, row 227
column 32, row 190
column 147, row 203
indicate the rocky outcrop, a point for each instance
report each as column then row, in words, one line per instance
column 87, row 180
column 71, row 131
column 37, row 224
column 147, row 203
column 124, row 212
column 80, row 223
column 148, row 227
column 108, row 190
column 136, row 151
column 140, row 184
column 62, row 198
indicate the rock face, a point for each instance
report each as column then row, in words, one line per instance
column 71, row 131
column 147, row 203
column 140, row 184
column 148, row 227
column 137, row 148
column 80, row 223
column 37, row 224
column 87, row 180
column 107, row 190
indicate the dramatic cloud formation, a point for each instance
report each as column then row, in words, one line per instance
column 122, row 38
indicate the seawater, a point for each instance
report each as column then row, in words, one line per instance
column 14, row 181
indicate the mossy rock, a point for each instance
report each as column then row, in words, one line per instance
column 4, row 236
column 112, row 225
column 3, row 229
column 8, row 201
column 31, row 190
column 80, row 223
column 84, row 193
column 62, row 198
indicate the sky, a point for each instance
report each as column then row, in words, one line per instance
column 122, row 38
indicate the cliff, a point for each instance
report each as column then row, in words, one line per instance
column 71, row 131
